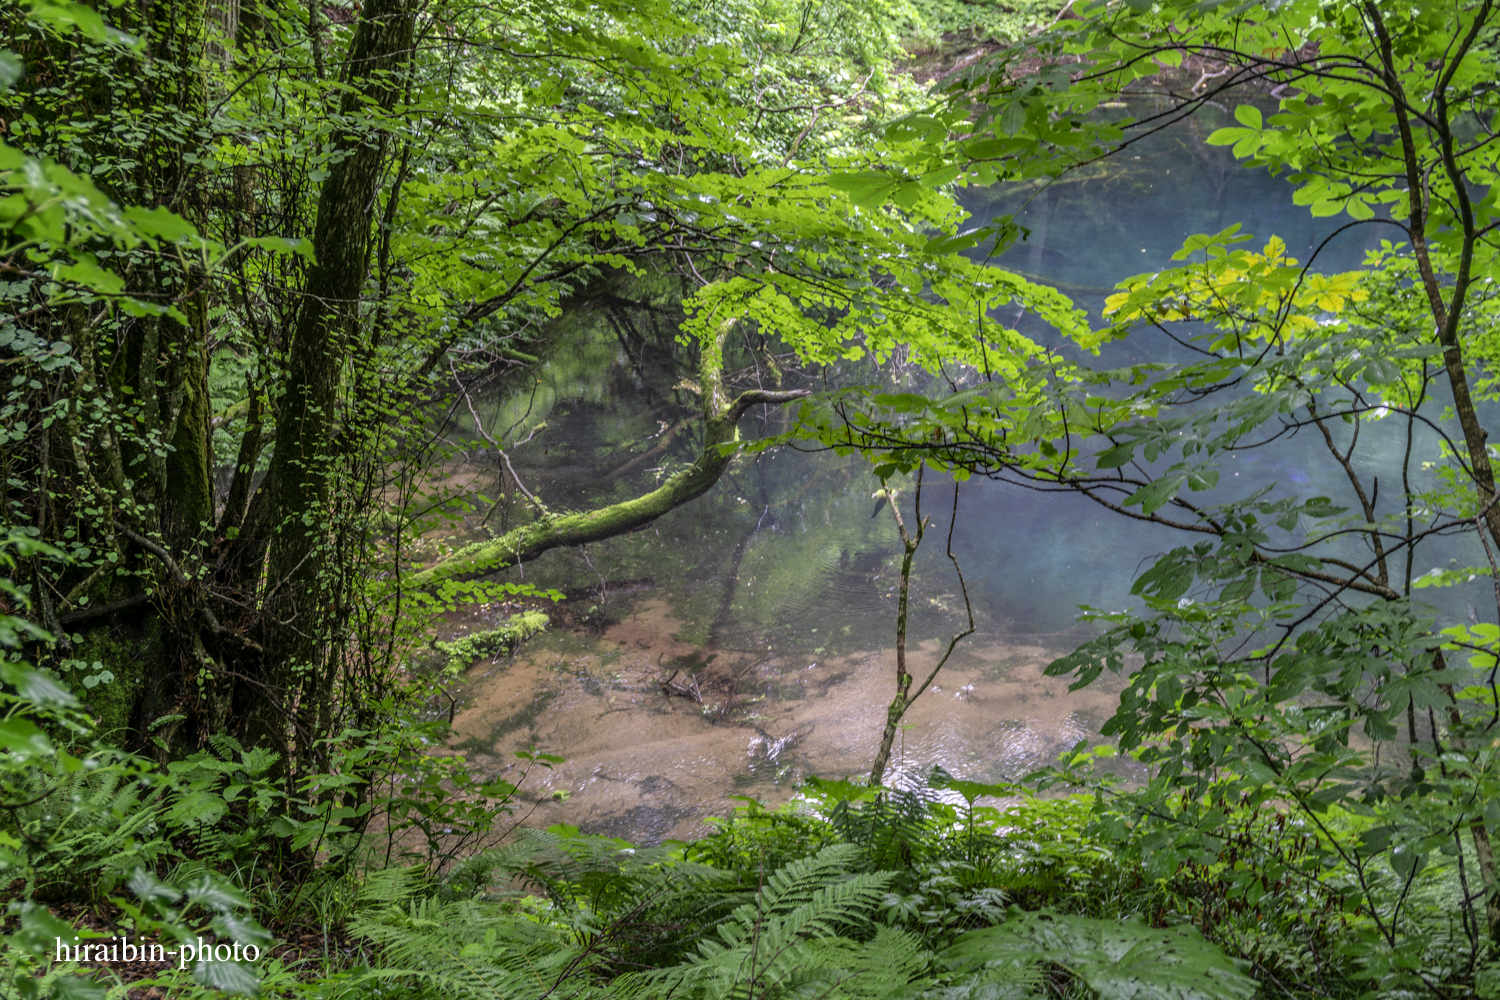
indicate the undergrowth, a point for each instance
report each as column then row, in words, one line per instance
column 849, row 892
column 414, row 871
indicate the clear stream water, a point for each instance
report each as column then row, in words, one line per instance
column 774, row 593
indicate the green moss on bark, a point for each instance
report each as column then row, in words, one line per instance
column 112, row 702
column 721, row 418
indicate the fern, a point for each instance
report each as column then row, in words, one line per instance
column 468, row 951
column 790, row 938
column 780, row 962
column 610, row 910
column 889, row 825
column 97, row 823
column 631, row 907
column 614, row 923
column 829, row 909
column 1118, row 960
column 888, row 961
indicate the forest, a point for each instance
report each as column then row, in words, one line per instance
column 292, row 301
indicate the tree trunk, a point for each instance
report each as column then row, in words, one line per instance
column 905, row 697
column 151, row 471
column 298, row 599
column 1448, row 316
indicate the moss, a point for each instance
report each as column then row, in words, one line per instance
column 462, row 652
column 721, row 436
column 112, row 701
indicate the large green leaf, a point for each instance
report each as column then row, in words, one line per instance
column 227, row 977
column 23, row 738
column 1118, row 960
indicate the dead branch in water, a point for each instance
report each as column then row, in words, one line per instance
column 905, row 697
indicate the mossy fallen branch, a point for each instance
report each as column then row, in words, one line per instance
column 464, row 651
column 721, row 418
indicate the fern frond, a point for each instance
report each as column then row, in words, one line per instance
column 890, row 960
column 827, row 910
column 794, row 884
column 786, row 941
column 469, row 951
column 391, row 886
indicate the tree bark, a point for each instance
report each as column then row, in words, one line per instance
column 302, row 469
column 1447, row 315
column 152, row 468
column 905, row 697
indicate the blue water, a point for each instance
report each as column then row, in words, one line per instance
column 1031, row 558
column 1037, row 556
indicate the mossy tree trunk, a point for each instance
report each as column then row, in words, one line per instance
column 149, row 477
column 298, row 598
column 218, row 617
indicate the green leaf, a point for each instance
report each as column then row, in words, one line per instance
column 1206, row 479
column 1381, row 370
column 1117, row 960
column 241, row 929
column 1408, row 861
column 10, row 70
column 1278, row 587
column 89, row 274
column 1013, row 118
column 228, row 977
column 23, row 738
column 215, row 895
column 1249, row 116
column 945, row 244
column 149, row 889
column 63, row 14
column 1239, row 590
column 1156, row 494
column 160, row 224
column 201, row 807
column 36, row 686
column 39, row 923
column 970, row 790
column 1115, row 457
column 1168, row 580
column 866, row 188
column 1321, row 507
column 937, row 178
column 1228, row 136
column 284, row 244
column 1487, row 982
column 76, row 987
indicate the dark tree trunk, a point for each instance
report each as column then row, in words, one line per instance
column 302, row 472
column 156, row 466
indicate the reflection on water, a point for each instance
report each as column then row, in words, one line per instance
column 768, row 604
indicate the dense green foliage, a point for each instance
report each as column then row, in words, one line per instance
column 1282, row 655
column 245, row 254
